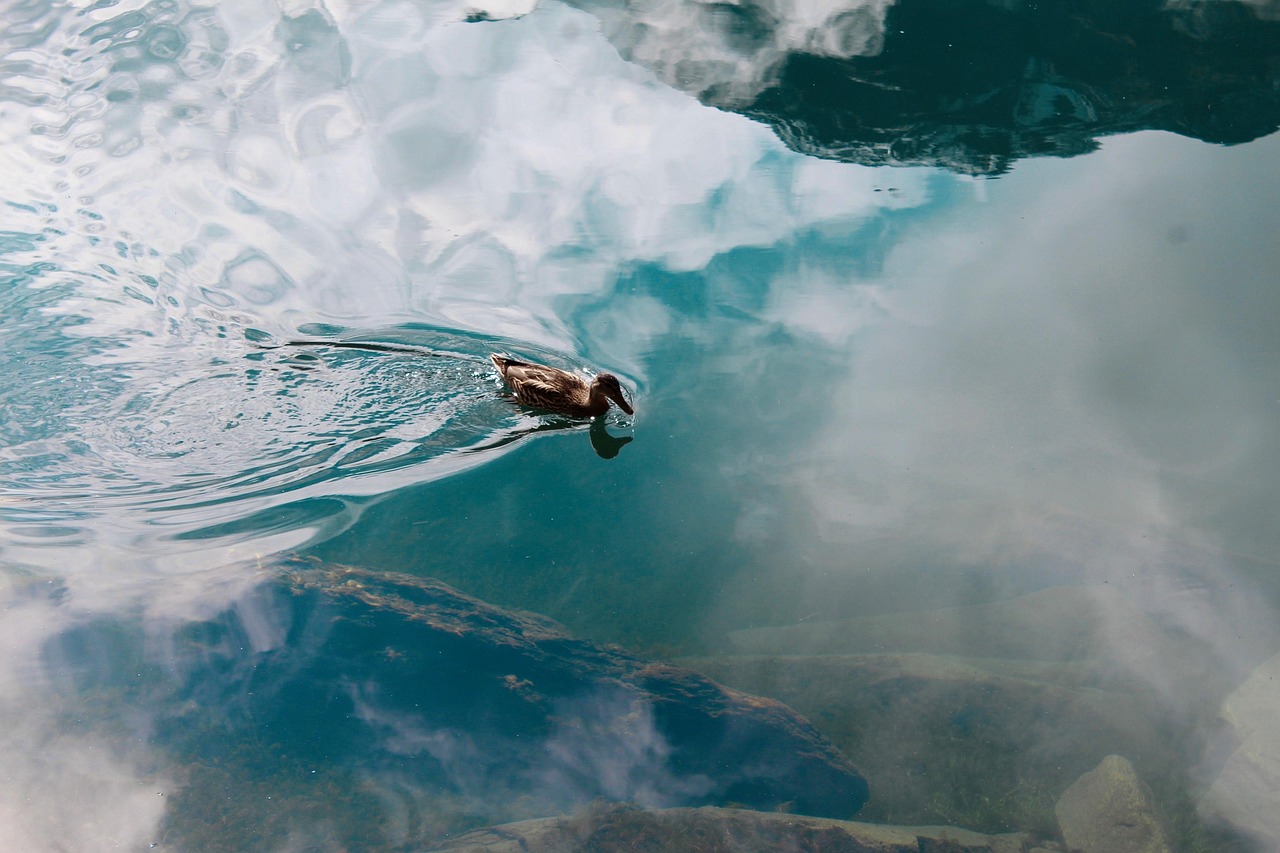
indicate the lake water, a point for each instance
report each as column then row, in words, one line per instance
column 953, row 333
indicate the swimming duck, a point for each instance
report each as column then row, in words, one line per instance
column 559, row 390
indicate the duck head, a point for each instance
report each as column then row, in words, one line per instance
column 611, row 388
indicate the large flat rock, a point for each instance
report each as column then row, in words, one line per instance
column 716, row 830
column 392, row 707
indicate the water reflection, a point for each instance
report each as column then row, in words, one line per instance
column 973, row 86
column 979, row 448
column 607, row 446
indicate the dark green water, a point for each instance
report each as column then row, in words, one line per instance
column 952, row 336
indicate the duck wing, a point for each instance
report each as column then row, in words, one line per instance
column 503, row 362
column 534, row 384
column 540, row 385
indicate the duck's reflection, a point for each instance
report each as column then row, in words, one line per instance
column 605, row 445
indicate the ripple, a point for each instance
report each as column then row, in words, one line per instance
column 139, row 405
column 219, row 436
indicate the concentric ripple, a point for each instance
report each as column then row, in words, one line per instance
column 215, row 439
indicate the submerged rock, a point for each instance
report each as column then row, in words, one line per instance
column 1110, row 810
column 1246, row 792
column 980, row 743
column 374, row 705
column 716, row 830
column 982, row 715
column 1068, row 624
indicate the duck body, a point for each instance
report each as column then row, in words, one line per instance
column 559, row 390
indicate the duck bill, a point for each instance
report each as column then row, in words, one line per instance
column 622, row 403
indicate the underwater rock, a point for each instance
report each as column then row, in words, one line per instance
column 619, row 828
column 1246, row 793
column 1110, row 810
column 981, row 715
column 393, row 675
column 1064, row 623
column 964, row 741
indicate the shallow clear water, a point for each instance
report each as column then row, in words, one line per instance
column 967, row 453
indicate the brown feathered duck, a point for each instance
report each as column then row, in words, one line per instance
column 559, row 390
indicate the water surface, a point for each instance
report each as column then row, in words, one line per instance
column 958, row 421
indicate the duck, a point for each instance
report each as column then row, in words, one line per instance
column 560, row 391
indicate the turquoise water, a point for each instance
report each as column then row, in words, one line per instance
column 955, row 386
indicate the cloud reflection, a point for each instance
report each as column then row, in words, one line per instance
column 1047, row 385
column 452, row 174
column 70, row 781
column 728, row 54
column 1048, row 388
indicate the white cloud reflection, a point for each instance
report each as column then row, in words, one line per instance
column 66, row 790
column 379, row 162
column 1059, row 349
column 1070, row 384
column 66, row 783
column 728, row 54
